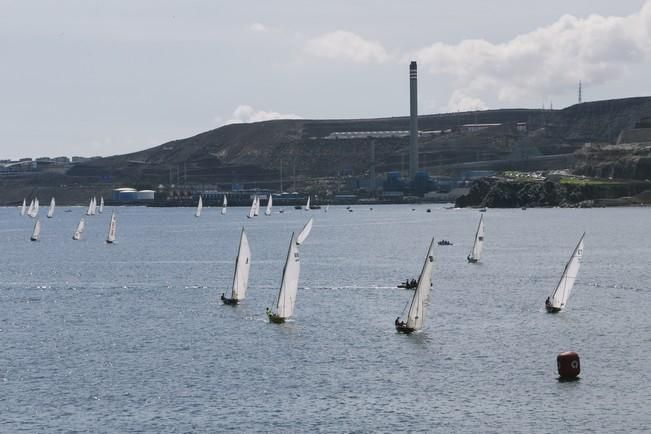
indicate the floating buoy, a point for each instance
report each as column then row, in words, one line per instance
column 569, row 365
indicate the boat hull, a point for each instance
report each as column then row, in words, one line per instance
column 404, row 329
column 552, row 309
column 275, row 318
column 472, row 260
column 230, row 301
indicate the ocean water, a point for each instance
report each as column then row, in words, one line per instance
column 132, row 336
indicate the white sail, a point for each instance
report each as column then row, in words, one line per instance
column 561, row 293
column 307, row 205
column 286, row 301
column 50, row 211
column 79, row 230
column 23, row 208
column 224, row 206
column 242, row 267
column 478, row 245
column 269, row 205
column 36, row 206
column 110, row 237
column 89, row 211
column 93, row 206
column 326, row 208
column 416, row 314
column 199, row 207
column 256, row 209
column 30, row 210
column 304, row 232
column 252, row 210
column 101, row 205
column 36, row 233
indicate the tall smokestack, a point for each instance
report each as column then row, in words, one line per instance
column 413, row 119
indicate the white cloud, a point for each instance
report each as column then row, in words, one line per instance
column 545, row 62
column 348, row 46
column 246, row 114
column 258, row 27
column 462, row 102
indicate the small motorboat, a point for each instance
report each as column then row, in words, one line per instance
column 445, row 243
column 428, row 210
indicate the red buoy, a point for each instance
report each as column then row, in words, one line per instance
column 569, row 365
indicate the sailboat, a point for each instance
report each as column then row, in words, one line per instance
column 101, row 205
column 199, row 207
column 80, row 229
column 89, row 210
column 304, row 232
column 252, row 210
column 558, row 299
column 241, row 274
column 326, row 208
column 286, row 300
column 30, row 209
column 36, row 233
column 416, row 314
column 22, row 208
column 50, row 211
column 307, row 205
column 224, row 206
column 478, row 245
column 267, row 212
column 93, row 206
column 110, row 237
column 256, row 210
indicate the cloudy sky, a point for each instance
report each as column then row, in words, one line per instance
column 97, row 77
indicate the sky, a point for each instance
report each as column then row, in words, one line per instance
column 97, row 77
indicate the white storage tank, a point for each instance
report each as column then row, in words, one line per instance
column 145, row 195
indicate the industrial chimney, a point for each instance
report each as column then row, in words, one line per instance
column 413, row 120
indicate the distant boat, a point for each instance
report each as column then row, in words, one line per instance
column 252, row 209
column 445, row 243
column 30, row 209
column 326, row 208
column 110, row 237
column 101, row 205
column 241, row 274
column 269, row 205
column 224, row 205
column 302, row 236
column 478, row 244
column 197, row 213
column 93, row 206
column 80, row 229
column 256, row 208
column 286, row 300
column 33, row 208
column 89, row 210
column 416, row 313
column 482, row 209
column 409, row 284
column 23, row 208
column 50, row 211
column 307, row 205
column 558, row 299
column 36, row 233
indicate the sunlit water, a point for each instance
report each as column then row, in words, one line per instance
column 132, row 337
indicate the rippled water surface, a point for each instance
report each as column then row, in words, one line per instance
column 132, row 337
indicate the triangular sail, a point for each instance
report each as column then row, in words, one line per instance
column 50, row 211
column 302, row 236
column 110, row 237
column 36, row 233
column 256, row 209
column 79, row 230
column 252, row 210
column 416, row 314
column 89, row 211
column 307, row 205
column 23, row 208
column 242, row 267
column 93, row 206
column 286, row 300
column 478, row 245
column 224, row 206
column 101, row 205
column 199, row 207
column 30, row 210
column 36, row 206
column 561, row 293
column 269, row 205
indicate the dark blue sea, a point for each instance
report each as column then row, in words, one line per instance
column 132, row 337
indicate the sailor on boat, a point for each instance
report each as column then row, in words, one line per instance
column 399, row 323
